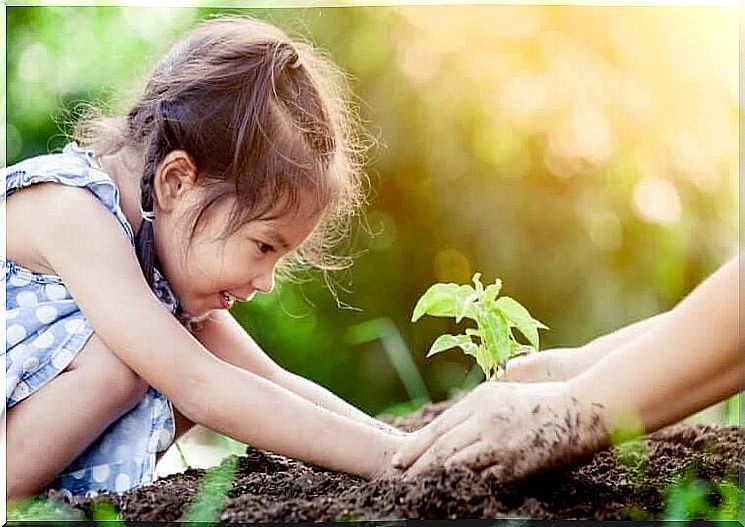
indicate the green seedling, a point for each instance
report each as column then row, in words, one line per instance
column 104, row 512
column 492, row 343
column 213, row 493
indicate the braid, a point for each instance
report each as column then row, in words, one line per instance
column 144, row 241
column 158, row 144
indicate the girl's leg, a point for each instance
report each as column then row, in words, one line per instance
column 53, row 426
column 182, row 425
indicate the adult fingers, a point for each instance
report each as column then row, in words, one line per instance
column 469, row 455
column 521, row 369
column 425, row 437
column 505, row 470
column 445, row 446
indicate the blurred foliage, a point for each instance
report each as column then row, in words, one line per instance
column 36, row 509
column 690, row 498
column 586, row 155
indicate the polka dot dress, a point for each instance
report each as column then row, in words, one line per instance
column 45, row 330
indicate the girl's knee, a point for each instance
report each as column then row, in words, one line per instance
column 130, row 387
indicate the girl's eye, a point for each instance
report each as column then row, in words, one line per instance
column 264, row 248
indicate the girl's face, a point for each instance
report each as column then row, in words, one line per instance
column 207, row 272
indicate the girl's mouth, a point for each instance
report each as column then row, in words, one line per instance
column 226, row 299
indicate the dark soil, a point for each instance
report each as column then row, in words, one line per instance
column 629, row 483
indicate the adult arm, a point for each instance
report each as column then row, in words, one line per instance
column 688, row 361
column 561, row 364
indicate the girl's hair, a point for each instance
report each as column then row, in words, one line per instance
column 265, row 121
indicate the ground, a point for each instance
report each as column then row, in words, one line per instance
column 631, row 483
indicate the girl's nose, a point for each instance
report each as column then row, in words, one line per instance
column 264, row 283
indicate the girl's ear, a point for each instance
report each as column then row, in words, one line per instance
column 175, row 176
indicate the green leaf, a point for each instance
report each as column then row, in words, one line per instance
column 464, row 299
column 539, row 324
column 438, row 301
column 521, row 349
column 213, row 492
column 492, row 291
column 469, row 348
column 496, row 335
column 519, row 317
column 446, row 342
column 485, row 360
column 477, row 282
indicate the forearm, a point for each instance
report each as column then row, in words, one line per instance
column 258, row 412
column 714, row 389
column 597, row 348
column 322, row 397
column 687, row 362
column 560, row 364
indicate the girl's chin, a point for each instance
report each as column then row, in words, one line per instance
column 202, row 316
column 198, row 312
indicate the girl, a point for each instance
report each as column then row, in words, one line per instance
column 126, row 251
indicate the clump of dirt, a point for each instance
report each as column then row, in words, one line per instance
column 626, row 483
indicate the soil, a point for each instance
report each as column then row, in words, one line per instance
column 627, row 483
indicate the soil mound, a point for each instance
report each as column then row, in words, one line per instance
column 627, row 483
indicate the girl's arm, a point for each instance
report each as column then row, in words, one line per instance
column 223, row 336
column 90, row 252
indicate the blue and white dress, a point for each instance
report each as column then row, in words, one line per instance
column 45, row 330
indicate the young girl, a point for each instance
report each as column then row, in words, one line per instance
column 126, row 250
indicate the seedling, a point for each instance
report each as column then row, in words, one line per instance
column 492, row 342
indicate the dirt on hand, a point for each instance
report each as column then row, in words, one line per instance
column 625, row 483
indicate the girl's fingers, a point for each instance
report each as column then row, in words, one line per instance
column 422, row 440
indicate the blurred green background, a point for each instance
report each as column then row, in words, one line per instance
column 588, row 156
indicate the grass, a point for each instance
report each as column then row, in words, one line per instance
column 213, row 492
column 733, row 410
column 104, row 511
column 691, row 498
column 405, row 408
column 40, row 509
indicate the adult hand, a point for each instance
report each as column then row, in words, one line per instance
column 508, row 431
column 552, row 365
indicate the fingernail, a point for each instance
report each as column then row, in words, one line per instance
column 396, row 460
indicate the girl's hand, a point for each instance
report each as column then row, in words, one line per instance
column 507, row 430
column 397, row 441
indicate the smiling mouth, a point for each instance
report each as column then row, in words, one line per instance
column 228, row 299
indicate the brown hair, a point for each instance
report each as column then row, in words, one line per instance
column 264, row 120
